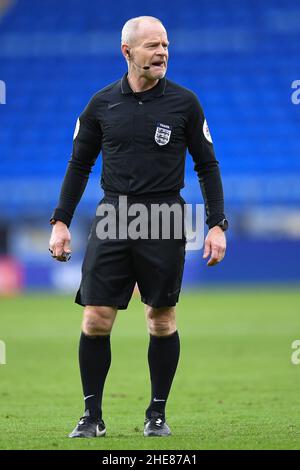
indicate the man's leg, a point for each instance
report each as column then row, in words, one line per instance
column 163, row 356
column 95, row 355
column 94, row 362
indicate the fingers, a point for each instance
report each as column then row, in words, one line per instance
column 215, row 246
column 67, row 247
column 61, row 251
column 216, row 251
column 59, row 244
column 206, row 249
column 65, row 256
column 57, row 249
column 215, row 256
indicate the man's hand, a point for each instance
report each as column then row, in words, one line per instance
column 59, row 244
column 215, row 245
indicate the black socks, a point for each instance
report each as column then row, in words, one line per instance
column 94, row 362
column 163, row 356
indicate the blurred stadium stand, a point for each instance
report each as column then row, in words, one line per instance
column 240, row 57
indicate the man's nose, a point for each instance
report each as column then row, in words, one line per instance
column 162, row 51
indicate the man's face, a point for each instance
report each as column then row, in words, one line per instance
column 151, row 48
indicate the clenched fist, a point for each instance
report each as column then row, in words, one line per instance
column 59, row 244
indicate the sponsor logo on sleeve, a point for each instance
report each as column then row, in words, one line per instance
column 206, row 132
column 77, row 127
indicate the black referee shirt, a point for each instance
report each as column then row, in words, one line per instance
column 143, row 138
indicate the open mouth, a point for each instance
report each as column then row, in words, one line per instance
column 158, row 63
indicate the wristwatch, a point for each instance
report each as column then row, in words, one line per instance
column 223, row 224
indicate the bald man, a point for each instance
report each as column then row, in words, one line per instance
column 142, row 124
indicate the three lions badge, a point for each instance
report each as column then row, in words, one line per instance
column 162, row 134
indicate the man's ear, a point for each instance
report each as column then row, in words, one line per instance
column 125, row 51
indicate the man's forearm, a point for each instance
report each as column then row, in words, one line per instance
column 212, row 191
column 73, row 186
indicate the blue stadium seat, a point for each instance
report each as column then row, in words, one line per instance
column 252, row 121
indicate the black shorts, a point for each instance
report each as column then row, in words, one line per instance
column 112, row 267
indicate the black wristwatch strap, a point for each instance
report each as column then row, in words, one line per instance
column 223, row 224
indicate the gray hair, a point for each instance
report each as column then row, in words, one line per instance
column 131, row 26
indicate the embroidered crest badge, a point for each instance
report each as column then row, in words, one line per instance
column 162, row 134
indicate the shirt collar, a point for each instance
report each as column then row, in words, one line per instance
column 156, row 91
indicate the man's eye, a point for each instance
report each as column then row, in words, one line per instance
column 151, row 46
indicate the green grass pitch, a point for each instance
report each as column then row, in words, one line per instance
column 235, row 388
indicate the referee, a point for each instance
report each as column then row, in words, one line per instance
column 143, row 124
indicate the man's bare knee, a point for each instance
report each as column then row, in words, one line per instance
column 98, row 321
column 161, row 321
